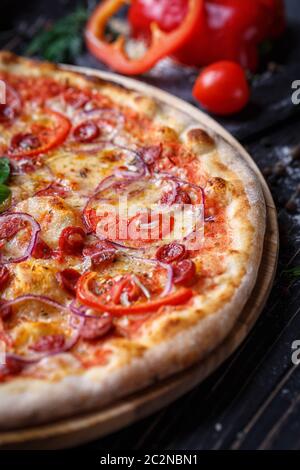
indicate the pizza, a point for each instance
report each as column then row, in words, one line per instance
column 103, row 292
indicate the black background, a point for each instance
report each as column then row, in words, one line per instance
column 253, row 400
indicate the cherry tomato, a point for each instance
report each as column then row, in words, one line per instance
column 95, row 328
column 4, row 276
column 87, row 131
column 42, row 250
column 67, row 279
column 184, row 272
column 222, row 88
column 49, row 343
column 101, row 253
column 171, row 252
column 71, row 240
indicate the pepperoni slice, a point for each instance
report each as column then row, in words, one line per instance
column 85, row 132
column 42, row 250
column 151, row 154
column 9, row 228
column 184, row 272
column 95, row 328
column 5, row 310
column 71, row 240
column 54, row 189
column 12, row 366
column 12, row 108
column 75, row 97
column 171, row 252
column 49, row 343
column 101, row 253
column 24, row 142
column 4, row 276
column 67, row 279
column 182, row 198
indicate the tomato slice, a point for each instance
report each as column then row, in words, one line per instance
column 89, row 298
column 71, row 240
column 42, row 138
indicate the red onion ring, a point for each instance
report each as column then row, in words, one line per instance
column 182, row 182
column 99, row 113
column 68, row 344
column 40, row 298
column 143, row 169
column 35, row 231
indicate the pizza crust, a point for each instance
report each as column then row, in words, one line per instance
column 179, row 339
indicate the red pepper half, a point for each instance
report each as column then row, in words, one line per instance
column 87, row 297
column 224, row 30
column 161, row 43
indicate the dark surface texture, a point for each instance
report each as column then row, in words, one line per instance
column 253, row 400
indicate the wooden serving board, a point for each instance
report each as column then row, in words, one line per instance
column 77, row 430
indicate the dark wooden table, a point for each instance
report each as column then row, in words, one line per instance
column 253, row 400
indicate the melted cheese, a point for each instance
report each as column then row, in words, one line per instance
column 52, row 213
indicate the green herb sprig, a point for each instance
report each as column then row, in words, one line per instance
column 293, row 272
column 5, row 192
column 63, row 41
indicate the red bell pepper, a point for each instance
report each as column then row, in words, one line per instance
column 161, row 44
column 87, row 297
column 226, row 30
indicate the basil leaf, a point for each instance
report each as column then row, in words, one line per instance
column 4, row 169
column 5, row 193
